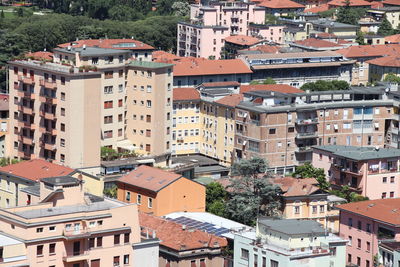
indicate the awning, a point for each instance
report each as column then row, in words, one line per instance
column 126, row 144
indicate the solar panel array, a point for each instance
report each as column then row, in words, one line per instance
column 203, row 226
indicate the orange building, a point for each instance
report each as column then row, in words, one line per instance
column 161, row 192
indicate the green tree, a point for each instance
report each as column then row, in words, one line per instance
column 392, row 78
column 360, row 38
column 107, row 153
column 215, row 199
column 346, row 193
column 271, row 19
column 309, row 171
column 269, row 80
column 123, row 13
column 181, row 9
column 2, row 14
column 164, row 7
column 350, row 15
column 20, row 12
column 328, row 13
column 322, row 85
column 251, row 192
column 385, row 28
column 111, row 191
column 98, row 9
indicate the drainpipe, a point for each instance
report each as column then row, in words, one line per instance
column 286, row 140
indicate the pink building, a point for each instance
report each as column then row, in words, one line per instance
column 369, row 171
column 210, row 25
column 367, row 223
column 72, row 229
column 271, row 33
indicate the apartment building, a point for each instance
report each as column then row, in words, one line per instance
column 271, row 33
column 280, row 7
column 282, row 127
column 303, row 199
column 160, row 192
column 4, row 121
column 366, row 224
column 297, row 69
column 288, row 243
column 380, row 67
column 314, row 44
column 17, row 177
column 390, row 12
column 210, row 25
column 389, row 253
column 69, row 229
column 371, row 172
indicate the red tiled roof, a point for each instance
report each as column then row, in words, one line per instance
column 325, row 35
column 40, row 55
column 202, row 66
column 391, row 61
column 185, row 93
column 384, row 210
column 370, row 50
column 149, row 178
column 221, row 84
column 316, row 9
column 36, row 169
column 376, row 4
column 297, row 187
column 318, row 43
column 337, row 3
column 394, row 39
column 242, row 40
column 282, row 88
column 173, row 236
column 109, row 43
column 280, row 4
column 391, row 2
column 162, row 56
column 263, row 49
column 230, row 100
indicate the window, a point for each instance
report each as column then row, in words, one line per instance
column 368, row 246
column 350, row 240
column 148, row 147
column 62, row 157
column 126, row 238
column 52, row 228
column 91, row 242
column 149, row 89
column 62, row 80
column 148, row 118
column 368, row 228
column 383, row 195
column 108, row 74
column 63, row 96
column 126, row 259
column 108, row 119
column 120, row 102
column 391, row 194
column 244, row 254
column 359, row 243
column 274, row 263
column 52, row 248
column 296, row 209
column 349, row 258
column 108, row 134
column 108, row 90
column 119, row 132
column 39, row 250
column 148, row 133
column 358, row 261
column 359, row 225
column 350, row 222
column 384, row 180
column 120, row 88
column 272, row 131
column 108, row 104
column 62, row 126
column 314, row 209
column 321, row 208
column 62, row 142
column 392, row 179
column 39, row 230
column 116, row 261
column 148, row 103
column 116, row 239
column 139, row 199
column 62, row 111
column 150, row 203
column 128, row 196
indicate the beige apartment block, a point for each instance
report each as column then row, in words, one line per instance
column 149, row 107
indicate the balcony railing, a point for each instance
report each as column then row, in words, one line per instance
column 26, row 80
column 74, row 256
column 47, row 115
column 26, row 140
column 26, row 94
column 303, row 149
column 48, row 145
column 25, row 110
column 48, row 84
column 307, row 121
column 306, row 135
column 48, row 99
column 48, row 130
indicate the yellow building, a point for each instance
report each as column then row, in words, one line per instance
column 16, row 177
column 304, row 200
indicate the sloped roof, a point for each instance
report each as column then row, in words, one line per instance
column 230, row 100
column 317, row 43
column 202, row 66
column 221, row 84
column 370, row 50
column 242, row 40
column 391, row 2
column 41, row 55
column 110, row 43
column 336, row 3
column 316, row 9
column 393, row 38
column 150, row 178
column 384, row 210
column 297, row 187
column 162, row 56
column 263, row 49
column 36, row 169
column 391, row 61
column 173, row 236
column 282, row 88
column 185, row 93
column 280, row 4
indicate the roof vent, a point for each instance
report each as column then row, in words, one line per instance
column 84, row 47
column 371, row 205
column 69, row 48
column 377, row 148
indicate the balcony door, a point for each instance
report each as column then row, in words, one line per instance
column 95, row 263
column 77, row 248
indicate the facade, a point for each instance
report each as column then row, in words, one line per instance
column 288, row 243
column 69, row 229
column 389, row 253
column 366, row 224
column 297, row 69
column 391, row 13
column 16, row 177
column 181, row 245
column 271, row 33
column 371, row 172
column 234, row 43
column 210, row 25
column 380, row 67
column 302, row 199
column 281, row 7
column 160, row 192
column 4, row 121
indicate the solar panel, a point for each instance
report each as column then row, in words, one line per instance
column 204, row 226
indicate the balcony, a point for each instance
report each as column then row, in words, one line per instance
column 47, row 115
column 306, row 135
column 48, row 84
column 26, row 80
column 48, row 99
column 48, row 146
column 26, row 110
column 48, row 130
column 26, row 94
column 377, row 171
column 25, row 124
column 307, row 121
column 303, row 149
column 353, row 172
column 72, row 234
column 75, row 256
column 26, row 155
column 26, row 140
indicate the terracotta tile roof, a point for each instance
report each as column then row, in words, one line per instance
column 280, row 4
column 36, row 169
column 202, row 66
column 385, row 210
column 230, row 100
column 394, row 39
column 173, row 236
column 337, row 3
column 325, row 35
column 164, row 57
column 316, row 9
column 185, row 93
column 242, row 40
column 391, row 61
column 150, row 178
column 391, row 2
column 370, row 50
column 318, row 43
column 282, row 88
column 297, row 187
column 376, row 4
column 341, row 41
column 221, row 84
column 40, row 55
column 263, row 49
column 110, row 43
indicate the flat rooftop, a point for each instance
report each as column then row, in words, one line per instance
column 293, row 226
column 199, row 159
column 360, row 153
